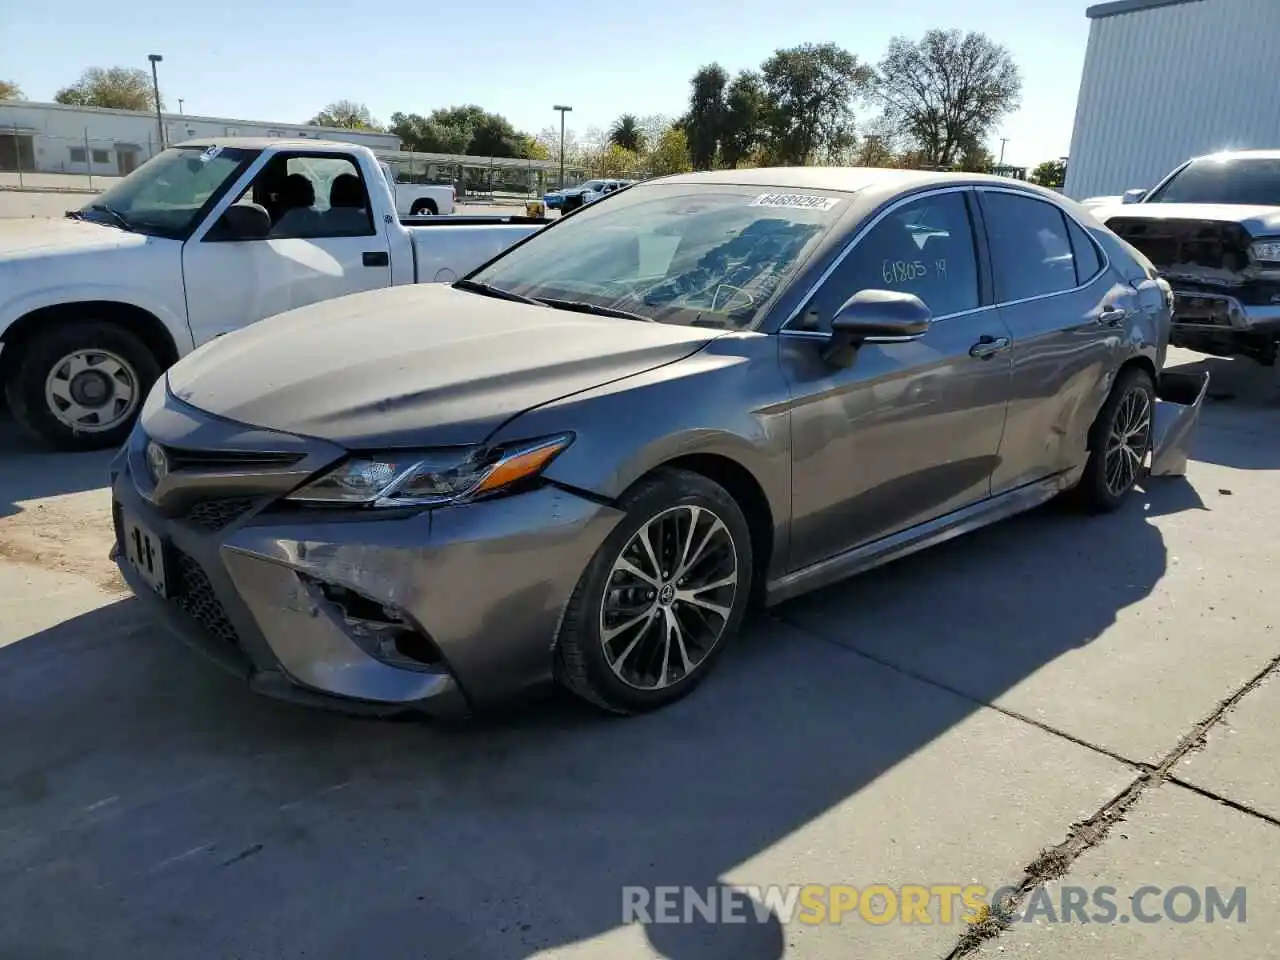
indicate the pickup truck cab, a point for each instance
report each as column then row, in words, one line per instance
column 204, row 238
column 420, row 199
column 1212, row 229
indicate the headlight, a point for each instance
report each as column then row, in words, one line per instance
column 424, row 478
column 1267, row 251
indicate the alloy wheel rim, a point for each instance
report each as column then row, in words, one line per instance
column 92, row 391
column 669, row 597
column 1128, row 441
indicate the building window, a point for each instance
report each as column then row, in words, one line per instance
column 101, row 156
column 77, row 154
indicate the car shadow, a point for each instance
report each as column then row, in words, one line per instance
column 30, row 470
column 1241, row 410
column 160, row 804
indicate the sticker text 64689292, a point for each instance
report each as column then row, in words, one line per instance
column 795, row 201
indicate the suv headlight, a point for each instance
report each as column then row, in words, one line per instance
column 1267, row 252
column 424, row 478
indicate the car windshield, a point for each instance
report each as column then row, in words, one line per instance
column 165, row 195
column 705, row 255
column 593, row 185
column 1251, row 182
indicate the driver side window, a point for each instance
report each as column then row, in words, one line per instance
column 924, row 247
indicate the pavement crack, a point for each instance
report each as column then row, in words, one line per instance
column 938, row 684
column 1055, row 862
column 1225, row 801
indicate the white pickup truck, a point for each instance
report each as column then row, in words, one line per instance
column 420, row 199
column 204, row 238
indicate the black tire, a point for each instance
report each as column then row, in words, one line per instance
column 1094, row 493
column 36, row 358
column 424, row 208
column 581, row 664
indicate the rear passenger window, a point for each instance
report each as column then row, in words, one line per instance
column 1031, row 253
column 1088, row 263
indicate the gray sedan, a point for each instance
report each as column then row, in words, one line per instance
column 586, row 461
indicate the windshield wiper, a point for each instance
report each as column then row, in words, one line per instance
column 121, row 220
column 581, row 306
column 489, row 290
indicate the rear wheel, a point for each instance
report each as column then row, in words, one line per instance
column 424, row 208
column 79, row 386
column 1120, row 440
column 661, row 598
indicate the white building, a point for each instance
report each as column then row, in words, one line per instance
column 1166, row 80
column 55, row 138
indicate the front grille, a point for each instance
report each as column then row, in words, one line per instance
column 181, row 458
column 195, row 596
column 213, row 515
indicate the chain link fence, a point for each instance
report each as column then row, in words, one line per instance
column 87, row 162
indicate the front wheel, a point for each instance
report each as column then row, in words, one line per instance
column 1119, row 442
column 79, row 386
column 661, row 597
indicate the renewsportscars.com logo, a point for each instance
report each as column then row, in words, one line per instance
column 880, row 904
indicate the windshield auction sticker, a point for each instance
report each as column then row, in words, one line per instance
column 794, row 201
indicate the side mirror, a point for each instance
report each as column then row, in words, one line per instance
column 876, row 316
column 1134, row 196
column 243, row 221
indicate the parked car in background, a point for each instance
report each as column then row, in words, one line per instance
column 579, row 196
column 202, row 239
column 1212, row 228
column 421, row 199
column 584, row 460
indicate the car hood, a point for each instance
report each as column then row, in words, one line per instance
column 42, row 237
column 1258, row 221
column 423, row 365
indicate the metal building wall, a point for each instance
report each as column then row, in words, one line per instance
column 1171, row 82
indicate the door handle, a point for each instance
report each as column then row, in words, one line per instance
column 1112, row 315
column 988, row 346
column 376, row 258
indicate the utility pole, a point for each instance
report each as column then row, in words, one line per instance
column 180, row 102
column 563, row 110
column 1003, row 141
column 155, row 85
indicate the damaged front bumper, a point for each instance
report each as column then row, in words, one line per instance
column 1179, row 397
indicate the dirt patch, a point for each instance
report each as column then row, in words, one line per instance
column 70, row 534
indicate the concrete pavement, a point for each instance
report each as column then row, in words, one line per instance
column 1097, row 688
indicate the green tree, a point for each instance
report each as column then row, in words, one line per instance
column 811, row 91
column 704, row 122
column 947, row 90
column 746, row 108
column 10, row 91
column 460, row 130
column 626, row 133
column 346, row 114
column 670, row 153
column 121, row 88
column 1051, row 173
column 974, row 158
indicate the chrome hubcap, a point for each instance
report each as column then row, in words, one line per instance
column 92, row 391
column 668, row 597
column 1128, row 441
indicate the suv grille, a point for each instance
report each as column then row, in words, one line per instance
column 195, row 596
column 213, row 515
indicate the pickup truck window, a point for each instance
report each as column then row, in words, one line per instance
column 1248, row 181
column 167, row 195
column 311, row 196
column 708, row 256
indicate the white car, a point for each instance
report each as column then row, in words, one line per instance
column 204, row 238
column 421, row 199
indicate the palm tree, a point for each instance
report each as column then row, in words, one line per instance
column 626, row 133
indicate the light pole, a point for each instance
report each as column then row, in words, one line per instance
column 155, row 85
column 180, row 103
column 1003, row 141
column 563, row 110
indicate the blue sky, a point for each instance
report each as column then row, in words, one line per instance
column 285, row 60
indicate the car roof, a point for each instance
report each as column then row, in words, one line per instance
column 262, row 143
column 1241, row 155
column 846, row 179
